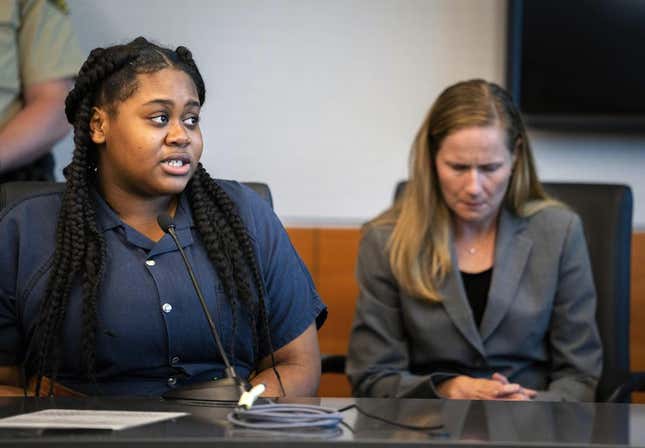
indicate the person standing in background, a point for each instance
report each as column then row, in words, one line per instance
column 39, row 56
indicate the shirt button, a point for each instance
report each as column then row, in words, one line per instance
column 174, row 360
column 151, row 262
column 166, row 307
column 172, row 381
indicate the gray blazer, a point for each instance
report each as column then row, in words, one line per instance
column 538, row 327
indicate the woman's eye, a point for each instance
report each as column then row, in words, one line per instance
column 490, row 167
column 458, row 167
column 191, row 121
column 160, row 119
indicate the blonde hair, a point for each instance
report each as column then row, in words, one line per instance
column 419, row 245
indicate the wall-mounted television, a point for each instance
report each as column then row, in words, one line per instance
column 578, row 64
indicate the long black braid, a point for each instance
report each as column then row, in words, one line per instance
column 109, row 76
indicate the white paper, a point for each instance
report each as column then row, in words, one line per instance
column 86, row 419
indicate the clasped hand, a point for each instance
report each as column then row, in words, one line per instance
column 496, row 388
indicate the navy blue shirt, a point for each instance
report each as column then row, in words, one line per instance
column 152, row 334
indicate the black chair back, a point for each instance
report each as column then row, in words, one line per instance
column 262, row 189
column 606, row 213
column 13, row 191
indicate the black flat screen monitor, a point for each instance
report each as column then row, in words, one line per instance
column 578, row 64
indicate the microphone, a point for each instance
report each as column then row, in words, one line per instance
column 230, row 388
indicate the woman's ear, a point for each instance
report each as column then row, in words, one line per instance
column 98, row 125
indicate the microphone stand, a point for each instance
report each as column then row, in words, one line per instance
column 227, row 389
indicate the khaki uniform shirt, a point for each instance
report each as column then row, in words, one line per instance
column 36, row 44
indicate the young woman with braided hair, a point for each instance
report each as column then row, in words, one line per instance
column 95, row 296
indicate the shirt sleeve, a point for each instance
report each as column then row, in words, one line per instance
column 291, row 299
column 47, row 45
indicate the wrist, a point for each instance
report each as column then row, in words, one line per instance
column 452, row 387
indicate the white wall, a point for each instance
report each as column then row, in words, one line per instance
column 321, row 99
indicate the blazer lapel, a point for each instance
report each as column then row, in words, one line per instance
column 511, row 254
column 456, row 305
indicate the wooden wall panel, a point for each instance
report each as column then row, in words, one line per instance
column 334, row 385
column 303, row 240
column 637, row 327
column 337, row 250
column 330, row 255
column 337, row 285
column 637, row 313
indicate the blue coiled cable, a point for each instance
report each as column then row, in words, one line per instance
column 285, row 416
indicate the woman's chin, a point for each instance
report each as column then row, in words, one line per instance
column 472, row 217
column 172, row 186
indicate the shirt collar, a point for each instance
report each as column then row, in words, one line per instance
column 183, row 215
column 108, row 219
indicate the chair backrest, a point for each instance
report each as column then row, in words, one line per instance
column 262, row 189
column 13, row 191
column 606, row 213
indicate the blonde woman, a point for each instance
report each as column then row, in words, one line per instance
column 474, row 284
